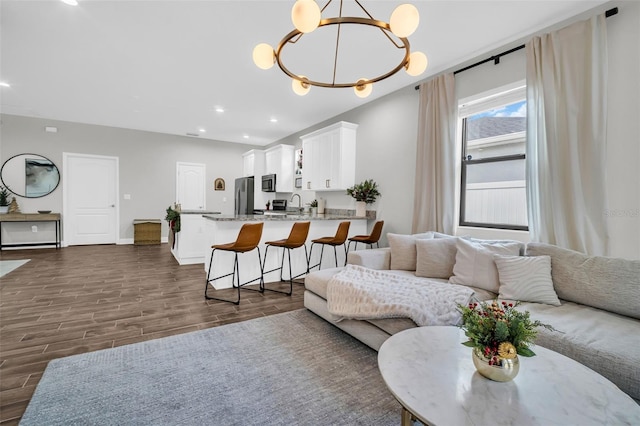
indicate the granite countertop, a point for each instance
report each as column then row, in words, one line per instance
column 287, row 217
column 198, row 212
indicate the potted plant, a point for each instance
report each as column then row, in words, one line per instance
column 314, row 207
column 365, row 192
column 498, row 333
column 4, row 199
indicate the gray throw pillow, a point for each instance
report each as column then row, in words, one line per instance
column 436, row 257
column 403, row 250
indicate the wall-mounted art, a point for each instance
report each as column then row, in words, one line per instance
column 218, row 184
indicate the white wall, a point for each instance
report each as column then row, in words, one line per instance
column 147, row 166
column 388, row 129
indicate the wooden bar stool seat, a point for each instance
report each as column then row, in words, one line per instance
column 248, row 240
column 370, row 239
column 338, row 240
column 297, row 238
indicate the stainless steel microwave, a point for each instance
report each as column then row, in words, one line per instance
column 269, row 183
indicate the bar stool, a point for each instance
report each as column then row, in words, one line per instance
column 339, row 240
column 371, row 239
column 297, row 238
column 248, row 240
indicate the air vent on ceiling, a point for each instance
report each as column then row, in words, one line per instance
column 193, row 134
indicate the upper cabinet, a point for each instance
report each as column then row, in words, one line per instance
column 253, row 163
column 279, row 160
column 330, row 158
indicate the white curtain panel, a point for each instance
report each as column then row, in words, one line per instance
column 566, row 136
column 434, row 198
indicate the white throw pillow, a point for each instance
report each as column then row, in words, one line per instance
column 475, row 266
column 403, row 250
column 436, row 257
column 527, row 279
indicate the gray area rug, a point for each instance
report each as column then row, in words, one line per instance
column 286, row 369
column 7, row 266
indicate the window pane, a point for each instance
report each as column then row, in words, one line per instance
column 497, row 132
column 495, row 193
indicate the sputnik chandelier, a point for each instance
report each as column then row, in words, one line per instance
column 307, row 17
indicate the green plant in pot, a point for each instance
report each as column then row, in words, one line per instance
column 4, row 199
column 365, row 192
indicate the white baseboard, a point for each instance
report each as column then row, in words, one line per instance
column 125, row 241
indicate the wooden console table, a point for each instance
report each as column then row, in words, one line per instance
column 32, row 217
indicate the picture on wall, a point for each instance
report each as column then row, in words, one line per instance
column 42, row 177
column 218, row 184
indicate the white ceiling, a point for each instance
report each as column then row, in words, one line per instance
column 164, row 66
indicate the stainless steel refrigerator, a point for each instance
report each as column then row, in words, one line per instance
column 244, row 195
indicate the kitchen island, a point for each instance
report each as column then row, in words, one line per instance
column 187, row 244
column 222, row 229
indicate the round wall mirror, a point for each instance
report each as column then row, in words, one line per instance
column 30, row 175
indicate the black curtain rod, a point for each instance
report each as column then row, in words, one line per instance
column 496, row 58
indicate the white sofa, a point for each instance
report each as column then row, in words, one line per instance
column 598, row 316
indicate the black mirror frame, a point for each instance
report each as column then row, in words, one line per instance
column 25, row 196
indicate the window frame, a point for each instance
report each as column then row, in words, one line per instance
column 507, row 99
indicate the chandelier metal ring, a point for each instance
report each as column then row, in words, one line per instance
column 386, row 29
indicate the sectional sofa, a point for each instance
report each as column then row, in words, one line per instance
column 593, row 302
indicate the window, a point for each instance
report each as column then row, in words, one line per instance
column 493, row 182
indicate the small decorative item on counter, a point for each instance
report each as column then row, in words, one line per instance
column 4, row 199
column 268, row 205
column 365, row 192
column 498, row 333
column 321, row 205
column 13, row 206
column 314, row 207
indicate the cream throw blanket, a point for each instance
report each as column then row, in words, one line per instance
column 357, row 292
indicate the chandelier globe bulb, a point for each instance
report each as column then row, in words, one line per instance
column 417, row 64
column 363, row 89
column 300, row 88
column 306, row 15
column 263, row 56
column 404, row 20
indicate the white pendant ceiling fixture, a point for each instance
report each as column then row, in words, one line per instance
column 306, row 16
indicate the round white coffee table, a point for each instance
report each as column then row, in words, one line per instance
column 432, row 375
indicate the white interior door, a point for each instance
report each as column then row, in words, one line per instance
column 90, row 195
column 191, row 184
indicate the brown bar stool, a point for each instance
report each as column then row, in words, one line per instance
column 371, row 239
column 297, row 238
column 339, row 240
column 248, row 240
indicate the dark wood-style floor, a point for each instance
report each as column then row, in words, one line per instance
column 82, row 299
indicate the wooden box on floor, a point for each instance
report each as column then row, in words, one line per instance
column 146, row 231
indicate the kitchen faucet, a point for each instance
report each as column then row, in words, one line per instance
column 299, row 201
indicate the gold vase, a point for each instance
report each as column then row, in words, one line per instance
column 499, row 373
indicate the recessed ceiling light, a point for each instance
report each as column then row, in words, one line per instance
column 70, row 2
column 201, row 130
column 245, row 136
column 219, row 109
column 4, row 84
column 274, row 120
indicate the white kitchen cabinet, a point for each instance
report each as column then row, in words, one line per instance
column 253, row 163
column 329, row 158
column 279, row 160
